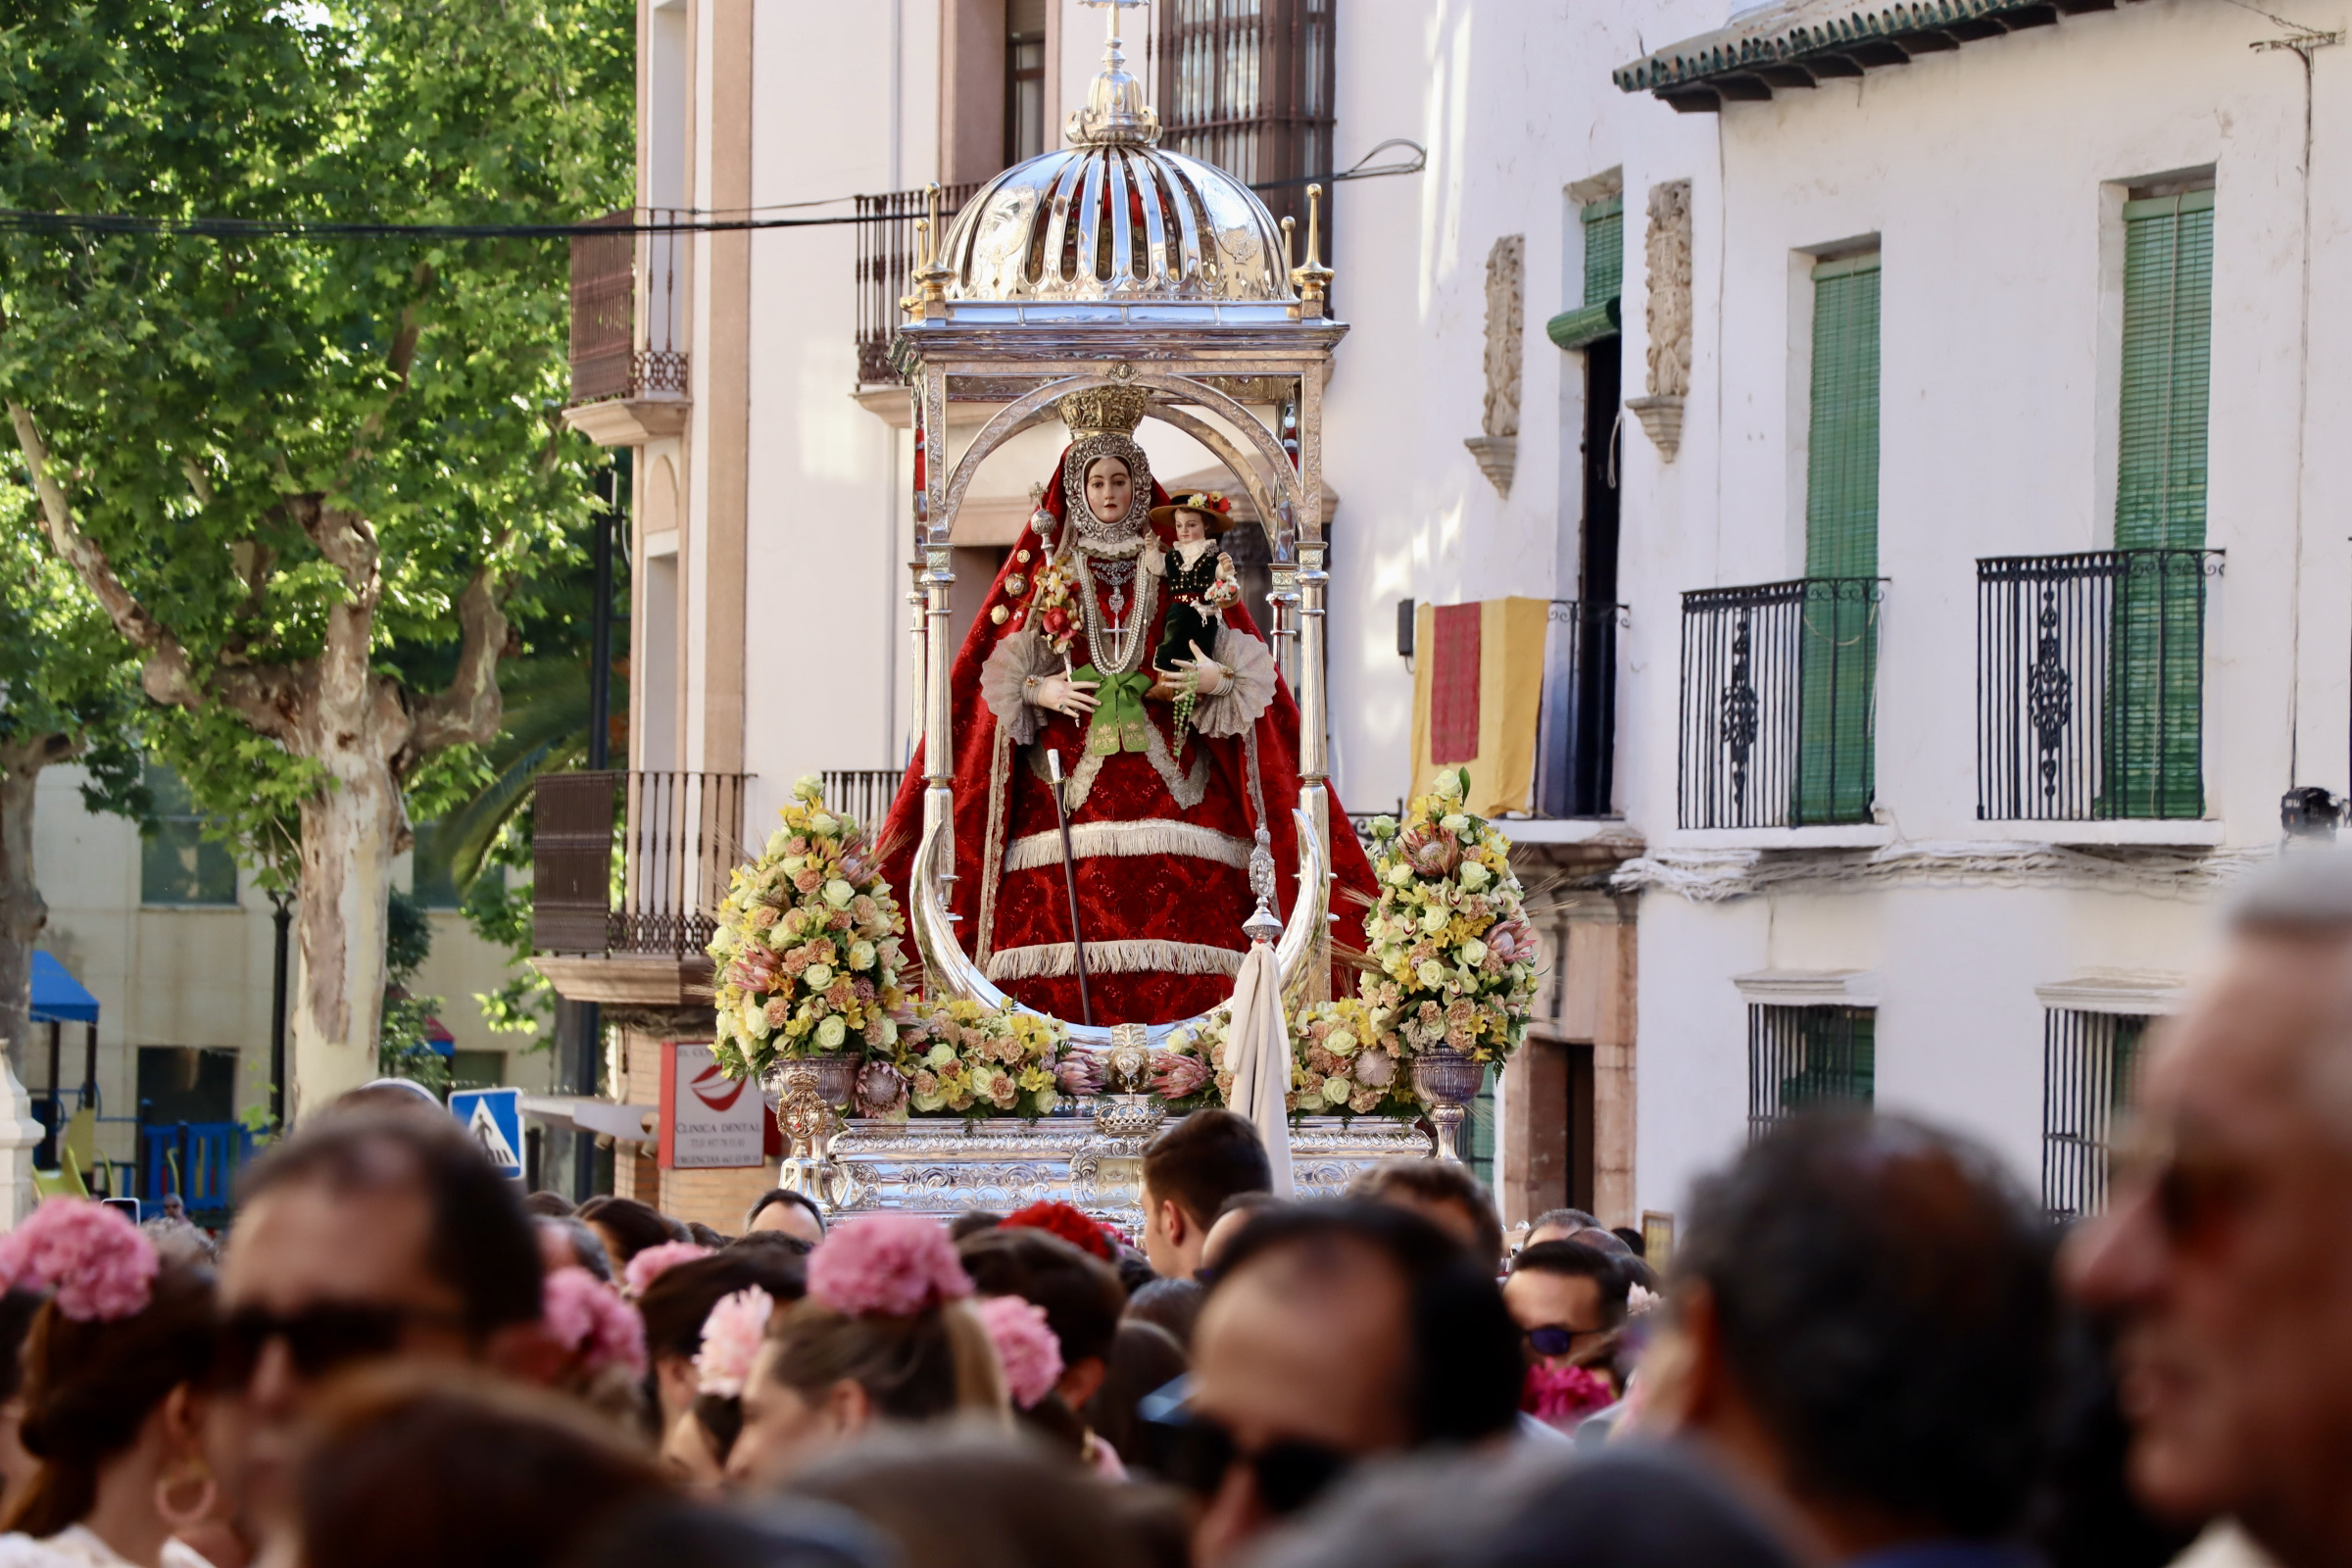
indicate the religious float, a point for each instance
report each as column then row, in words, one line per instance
column 1122, row 784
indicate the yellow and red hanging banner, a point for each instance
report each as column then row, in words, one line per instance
column 1478, row 687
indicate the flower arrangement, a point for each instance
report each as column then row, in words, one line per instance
column 965, row 1060
column 1026, row 1348
column 732, row 1338
column 807, row 947
column 886, row 1265
column 591, row 1321
column 655, row 1261
column 1054, row 605
column 1456, row 959
column 92, row 1259
column 1345, row 1060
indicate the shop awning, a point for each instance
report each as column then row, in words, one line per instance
column 56, row 997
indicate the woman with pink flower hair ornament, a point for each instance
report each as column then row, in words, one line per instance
column 112, row 1400
column 886, row 1334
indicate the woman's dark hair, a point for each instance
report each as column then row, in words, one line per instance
column 1883, row 1296
column 635, row 1226
column 1466, row 1367
column 17, row 1309
column 1576, row 1260
column 587, row 1247
column 89, row 1387
column 1081, row 1295
column 1170, row 1305
column 544, row 1204
column 721, row 1416
column 972, row 1222
column 917, row 1368
column 1144, row 1358
column 412, row 1465
column 675, row 1304
column 702, row 1235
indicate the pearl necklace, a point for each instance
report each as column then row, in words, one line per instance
column 1118, row 645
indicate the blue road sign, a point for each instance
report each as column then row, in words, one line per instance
column 493, row 1120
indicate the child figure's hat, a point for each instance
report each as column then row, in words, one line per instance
column 1214, row 509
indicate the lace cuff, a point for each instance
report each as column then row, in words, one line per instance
column 1004, row 682
column 1248, row 692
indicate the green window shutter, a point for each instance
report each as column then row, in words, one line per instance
column 1604, row 250
column 1837, row 649
column 1839, row 1048
column 2154, row 703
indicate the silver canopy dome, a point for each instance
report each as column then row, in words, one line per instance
column 1112, row 217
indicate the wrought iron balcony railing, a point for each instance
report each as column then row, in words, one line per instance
column 2091, row 685
column 885, row 258
column 863, row 793
column 679, row 836
column 610, row 357
column 1779, row 704
column 1575, row 744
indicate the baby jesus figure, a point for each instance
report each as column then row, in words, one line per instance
column 1198, row 584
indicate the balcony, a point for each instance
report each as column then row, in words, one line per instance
column 2091, row 685
column 1779, row 705
column 628, row 379
column 1576, row 741
column 885, row 263
column 863, row 794
column 636, row 938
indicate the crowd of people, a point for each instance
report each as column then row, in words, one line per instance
column 1869, row 1346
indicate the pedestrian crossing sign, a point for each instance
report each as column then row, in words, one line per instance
column 493, row 1120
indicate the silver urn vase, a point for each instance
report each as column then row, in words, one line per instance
column 809, row 1091
column 1447, row 1082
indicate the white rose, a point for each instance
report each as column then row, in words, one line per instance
column 1474, row 952
column 1434, row 919
column 1474, row 876
column 792, row 865
column 983, row 1081
column 755, row 1021
column 809, row 787
column 829, row 1033
column 1454, row 822
column 1431, row 974
column 1336, row 1090
column 1342, row 1043
column 822, row 825
column 1448, row 786
column 930, row 1102
column 1400, row 875
column 940, row 1056
column 1047, row 1100
column 817, row 976
column 727, row 941
column 778, row 839
column 839, row 893
column 889, row 1031
column 862, row 955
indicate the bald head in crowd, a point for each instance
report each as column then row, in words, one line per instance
column 2224, row 1255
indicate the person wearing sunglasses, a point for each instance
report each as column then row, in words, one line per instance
column 1331, row 1334
column 1569, row 1300
column 365, row 1236
column 2221, row 1257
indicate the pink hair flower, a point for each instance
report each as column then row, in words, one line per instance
column 889, row 1264
column 731, row 1337
column 589, row 1318
column 655, row 1261
column 91, row 1259
column 1025, row 1348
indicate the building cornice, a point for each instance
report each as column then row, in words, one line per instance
column 1802, row 43
column 1714, row 876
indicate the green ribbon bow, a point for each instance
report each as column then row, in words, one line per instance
column 1118, row 712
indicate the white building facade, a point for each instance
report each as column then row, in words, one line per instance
column 1851, row 295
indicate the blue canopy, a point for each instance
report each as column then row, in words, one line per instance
column 56, row 997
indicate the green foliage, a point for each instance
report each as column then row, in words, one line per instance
column 196, row 394
column 402, row 1049
column 63, row 672
column 408, row 938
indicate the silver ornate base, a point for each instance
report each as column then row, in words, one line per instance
column 938, row 1167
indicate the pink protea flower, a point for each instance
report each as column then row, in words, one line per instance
column 892, row 1265
column 1173, row 1077
column 731, row 1337
column 589, row 1319
column 93, row 1260
column 1025, row 1348
column 881, row 1090
column 1079, row 1073
column 655, row 1261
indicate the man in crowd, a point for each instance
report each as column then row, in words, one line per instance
column 1443, row 1192
column 1866, row 1337
column 1331, row 1334
column 1188, row 1172
column 2225, row 1256
column 1566, row 1298
column 787, row 1213
column 1574, row 1225
column 368, row 1234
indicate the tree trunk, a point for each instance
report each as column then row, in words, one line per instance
column 23, row 912
column 350, row 833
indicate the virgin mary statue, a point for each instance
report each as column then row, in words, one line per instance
column 1172, row 769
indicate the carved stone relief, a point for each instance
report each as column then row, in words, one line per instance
column 1668, row 255
column 1498, row 448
